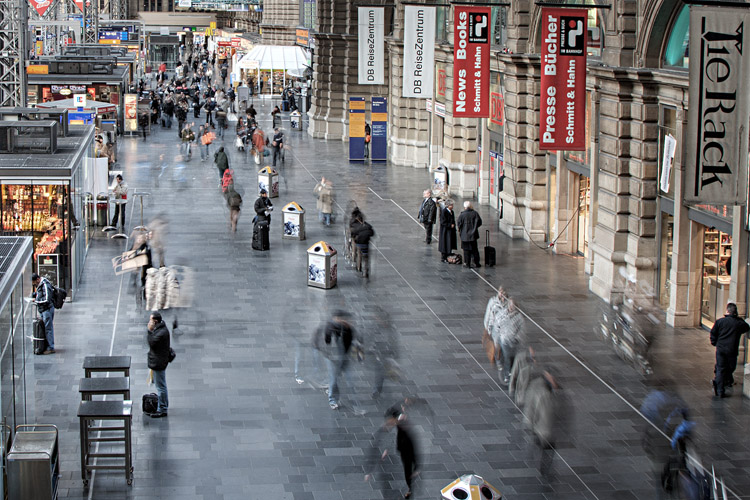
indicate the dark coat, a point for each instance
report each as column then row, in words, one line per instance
column 726, row 333
column 428, row 211
column 447, row 240
column 362, row 232
column 469, row 223
column 260, row 209
column 221, row 160
column 158, row 347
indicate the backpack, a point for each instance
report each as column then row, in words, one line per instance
column 454, row 259
column 227, row 180
column 58, row 296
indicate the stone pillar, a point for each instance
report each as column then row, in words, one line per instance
column 738, row 285
column 335, row 70
column 409, row 125
column 280, row 20
column 524, row 190
column 620, row 33
column 594, row 178
column 683, row 308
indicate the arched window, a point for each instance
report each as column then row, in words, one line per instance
column 676, row 51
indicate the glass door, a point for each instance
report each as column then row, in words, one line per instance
column 665, row 259
column 584, row 202
column 717, row 263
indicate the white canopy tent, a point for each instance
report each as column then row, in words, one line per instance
column 291, row 58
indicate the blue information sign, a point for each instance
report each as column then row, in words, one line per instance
column 356, row 128
column 379, row 141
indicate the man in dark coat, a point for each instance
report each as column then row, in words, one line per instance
column 222, row 162
column 405, row 445
column 427, row 214
column 263, row 207
column 447, row 240
column 725, row 335
column 361, row 234
column 469, row 223
column 158, row 359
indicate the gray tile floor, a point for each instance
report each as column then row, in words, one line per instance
column 239, row 425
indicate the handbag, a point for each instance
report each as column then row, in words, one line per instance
column 367, row 138
column 172, row 355
column 489, row 347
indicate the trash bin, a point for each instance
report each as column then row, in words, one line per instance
column 102, row 209
column 268, row 179
column 295, row 119
column 470, row 486
column 440, row 178
column 293, row 218
column 321, row 265
column 88, row 206
column 33, row 463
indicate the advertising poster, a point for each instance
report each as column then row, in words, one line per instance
column 562, row 119
column 291, row 224
column 419, row 50
column 670, row 146
column 371, row 46
column 379, row 142
column 717, row 137
column 40, row 6
column 131, row 112
column 334, row 267
column 356, row 129
column 471, row 62
column 316, row 268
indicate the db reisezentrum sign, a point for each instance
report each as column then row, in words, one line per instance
column 563, row 97
column 471, row 62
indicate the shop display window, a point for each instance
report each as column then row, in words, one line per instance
column 717, row 263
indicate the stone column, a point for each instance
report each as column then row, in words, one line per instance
column 683, row 308
column 738, row 285
column 280, row 20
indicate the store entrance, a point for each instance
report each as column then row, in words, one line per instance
column 717, row 263
column 665, row 259
column 584, row 202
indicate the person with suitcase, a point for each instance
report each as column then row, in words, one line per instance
column 43, row 300
column 263, row 208
column 468, row 224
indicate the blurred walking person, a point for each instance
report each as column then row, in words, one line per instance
column 361, row 232
column 405, row 446
column 234, row 202
column 335, row 341
column 323, row 190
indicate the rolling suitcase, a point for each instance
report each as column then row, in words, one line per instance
column 260, row 236
column 39, row 336
column 490, row 255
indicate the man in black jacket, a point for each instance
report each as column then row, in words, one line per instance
column 46, row 308
column 427, row 214
column 361, row 234
column 278, row 144
column 158, row 359
column 405, row 446
column 468, row 224
column 725, row 335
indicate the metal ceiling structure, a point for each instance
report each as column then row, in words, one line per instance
column 13, row 40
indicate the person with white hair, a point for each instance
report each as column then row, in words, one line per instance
column 427, row 214
column 468, row 224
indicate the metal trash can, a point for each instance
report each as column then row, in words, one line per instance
column 440, row 178
column 34, row 463
column 322, row 271
column 102, row 209
column 268, row 179
column 293, row 218
column 88, row 206
column 295, row 119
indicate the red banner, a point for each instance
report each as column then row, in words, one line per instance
column 496, row 108
column 471, row 61
column 41, row 6
column 562, row 118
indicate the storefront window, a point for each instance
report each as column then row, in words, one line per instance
column 667, row 126
column 584, row 202
column 499, row 34
column 717, row 263
column 676, row 52
column 443, row 28
column 665, row 263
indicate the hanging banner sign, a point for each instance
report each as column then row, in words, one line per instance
column 670, row 146
column 419, row 51
column 79, row 4
column 716, row 166
column 496, row 108
column 371, row 53
column 131, row 112
column 562, row 119
column 379, row 137
column 356, row 128
column 471, row 62
column 40, row 6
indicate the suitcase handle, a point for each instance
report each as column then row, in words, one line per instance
column 487, row 237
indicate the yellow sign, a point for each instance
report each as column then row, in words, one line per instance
column 213, row 25
column 37, row 69
column 303, row 37
column 209, row 31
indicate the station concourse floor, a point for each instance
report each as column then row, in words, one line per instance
column 240, row 427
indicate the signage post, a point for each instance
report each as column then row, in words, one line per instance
column 379, row 137
column 356, row 129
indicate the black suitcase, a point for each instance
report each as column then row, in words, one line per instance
column 260, row 236
column 490, row 255
column 39, row 336
column 150, row 403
